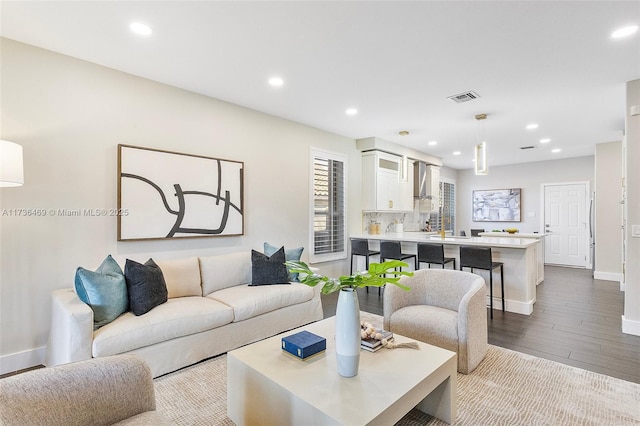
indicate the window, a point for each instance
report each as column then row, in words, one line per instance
column 447, row 208
column 328, row 233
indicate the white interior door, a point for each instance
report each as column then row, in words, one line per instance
column 565, row 224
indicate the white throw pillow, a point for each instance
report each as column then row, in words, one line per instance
column 182, row 276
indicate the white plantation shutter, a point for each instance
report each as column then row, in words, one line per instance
column 447, row 198
column 329, row 212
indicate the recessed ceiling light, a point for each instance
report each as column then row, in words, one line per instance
column 351, row 111
column 403, row 133
column 532, row 126
column 276, row 81
column 556, row 150
column 140, row 28
column 456, row 153
column 624, row 31
column 433, row 143
column 545, row 140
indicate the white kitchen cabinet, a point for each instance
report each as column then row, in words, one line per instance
column 383, row 186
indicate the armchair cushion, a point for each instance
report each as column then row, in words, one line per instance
column 431, row 324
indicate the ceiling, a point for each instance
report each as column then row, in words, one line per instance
column 547, row 62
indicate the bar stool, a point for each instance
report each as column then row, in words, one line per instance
column 393, row 250
column 480, row 258
column 360, row 247
column 433, row 253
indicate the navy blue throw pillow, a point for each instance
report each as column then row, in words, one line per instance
column 145, row 285
column 266, row 270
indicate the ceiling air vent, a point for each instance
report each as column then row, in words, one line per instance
column 463, row 97
column 527, row 147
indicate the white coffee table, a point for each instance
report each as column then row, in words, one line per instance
column 268, row 387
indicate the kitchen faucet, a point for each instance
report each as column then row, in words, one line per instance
column 445, row 208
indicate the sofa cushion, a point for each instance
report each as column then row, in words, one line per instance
column 249, row 302
column 293, row 254
column 104, row 290
column 175, row 318
column 267, row 270
column 145, row 286
column 182, row 277
column 430, row 324
column 225, row 270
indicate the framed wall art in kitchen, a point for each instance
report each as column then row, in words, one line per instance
column 496, row 205
column 164, row 194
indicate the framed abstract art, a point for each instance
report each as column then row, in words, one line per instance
column 164, row 194
column 496, row 205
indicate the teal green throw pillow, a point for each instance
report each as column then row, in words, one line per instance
column 289, row 254
column 104, row 290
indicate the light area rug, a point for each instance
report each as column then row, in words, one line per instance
column 507, row 388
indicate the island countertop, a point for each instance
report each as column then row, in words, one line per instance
column 433, row 237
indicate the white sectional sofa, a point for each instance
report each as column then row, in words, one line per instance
column 211, row 309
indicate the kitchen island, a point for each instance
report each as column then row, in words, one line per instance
column 519, row 256
column 539, row 248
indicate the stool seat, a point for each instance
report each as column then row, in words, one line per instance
column 433, row 253
column 480, row 258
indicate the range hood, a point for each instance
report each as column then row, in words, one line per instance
column 423, row 176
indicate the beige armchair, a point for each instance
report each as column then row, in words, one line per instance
column 444, row 308
column 101, row 391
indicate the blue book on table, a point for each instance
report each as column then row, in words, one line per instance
column 304, row 344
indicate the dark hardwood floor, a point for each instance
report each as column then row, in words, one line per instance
column 575, row 321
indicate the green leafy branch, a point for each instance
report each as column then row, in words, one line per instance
column 378, row 275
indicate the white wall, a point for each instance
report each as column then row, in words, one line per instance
column 631, row 318
column 529, row 177
column 69, row 116
column 608, row 211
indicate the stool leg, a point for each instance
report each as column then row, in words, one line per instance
column 502, row 285
column 491, row 292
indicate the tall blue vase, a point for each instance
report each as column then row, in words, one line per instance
column 348, row 333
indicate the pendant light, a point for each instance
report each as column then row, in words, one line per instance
column 481, row 166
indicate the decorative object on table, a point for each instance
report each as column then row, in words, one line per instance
column 511, row 230
column 163, row 194
column 348, row 332
column 304, row 344
column 373, row 339
column 348, row 311
column 496, row 205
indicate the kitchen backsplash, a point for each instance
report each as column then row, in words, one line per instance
column 385, row 222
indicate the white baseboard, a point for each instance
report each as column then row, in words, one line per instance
column 630, row 326
column 523, row 308
column 21, row 360
column 608, row 276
